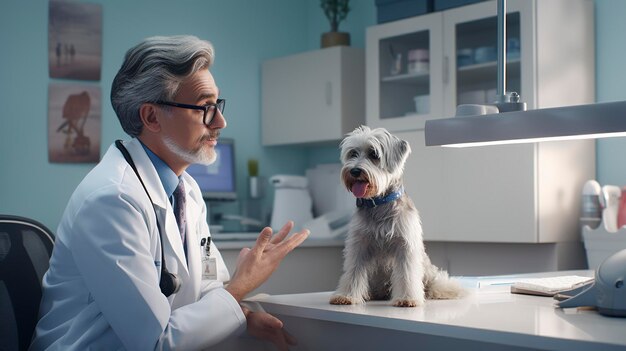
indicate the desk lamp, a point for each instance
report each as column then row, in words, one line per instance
column 514, row 124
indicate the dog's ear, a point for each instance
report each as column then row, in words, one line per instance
column 400, row 150
column 346, row 144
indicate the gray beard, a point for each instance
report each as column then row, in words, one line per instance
column 202, row 156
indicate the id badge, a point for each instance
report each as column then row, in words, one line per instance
column 209, row 265
column 209, row 268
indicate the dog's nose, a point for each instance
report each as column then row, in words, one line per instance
column 355, row 172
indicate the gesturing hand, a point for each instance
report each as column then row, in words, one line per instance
column 255, row 265
column 267, row 327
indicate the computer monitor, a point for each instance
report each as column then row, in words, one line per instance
column 217, row 180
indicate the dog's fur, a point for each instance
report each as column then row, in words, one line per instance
column 384, row 255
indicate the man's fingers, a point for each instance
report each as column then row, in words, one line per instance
column 275, row 332
column 291, row 243
column 291, row 340
column 279, row 340
column 242, row 255
column 262, row 240
column 272, row 321
column 282, row 233
column 295, row 240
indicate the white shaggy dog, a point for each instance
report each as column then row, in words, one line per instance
column 384, row 255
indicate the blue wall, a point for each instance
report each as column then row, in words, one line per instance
column 610, row 81
column 245, row 33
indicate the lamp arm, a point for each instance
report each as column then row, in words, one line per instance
column 501, row 84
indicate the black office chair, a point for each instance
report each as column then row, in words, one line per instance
column 25, row 249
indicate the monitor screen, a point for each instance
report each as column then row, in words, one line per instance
column 217, row 180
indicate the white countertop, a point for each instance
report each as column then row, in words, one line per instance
column 493, row 317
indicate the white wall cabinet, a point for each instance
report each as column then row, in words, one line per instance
column 316, row 96
column 550, row 60
column 526, row 193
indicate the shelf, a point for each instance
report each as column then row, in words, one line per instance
column 482, row 71
column 408, row 78
column 418, row 121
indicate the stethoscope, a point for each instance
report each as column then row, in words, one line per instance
column 170, row 283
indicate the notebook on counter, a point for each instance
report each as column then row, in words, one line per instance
column 549, row 286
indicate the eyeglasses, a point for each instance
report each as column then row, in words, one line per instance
column 209, row 109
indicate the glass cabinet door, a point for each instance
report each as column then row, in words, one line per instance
column 403, row 65
column 472, row 54
column 476, row 55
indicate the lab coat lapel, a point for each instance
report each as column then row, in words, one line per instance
column 172, row 238
column 164, row 210
column 193, row 210
column 148, row 173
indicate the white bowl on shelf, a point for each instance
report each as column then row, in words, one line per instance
column 422, row 104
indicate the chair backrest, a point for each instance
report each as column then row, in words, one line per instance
column 25, row 250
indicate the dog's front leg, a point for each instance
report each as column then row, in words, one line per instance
column 353, row 285
column 407, row 286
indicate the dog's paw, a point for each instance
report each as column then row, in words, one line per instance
column 405, row 303
column 342, row 300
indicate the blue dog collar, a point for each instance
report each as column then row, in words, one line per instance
column 376, row 201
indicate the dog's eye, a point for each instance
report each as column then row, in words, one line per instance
column 373, row 155
column 353, row 154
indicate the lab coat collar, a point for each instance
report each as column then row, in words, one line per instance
column 162, row 205
column 147, row 172
column 168, row 178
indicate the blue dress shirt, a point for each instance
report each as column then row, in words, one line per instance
column 167, row 176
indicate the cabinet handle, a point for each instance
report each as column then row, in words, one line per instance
column 446, row 69
column 329, row 93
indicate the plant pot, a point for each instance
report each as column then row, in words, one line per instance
column 335, row 39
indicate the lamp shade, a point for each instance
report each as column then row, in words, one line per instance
column 600, row 120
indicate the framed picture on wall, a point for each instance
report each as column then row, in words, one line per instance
column 74, row 123
column 74, row 40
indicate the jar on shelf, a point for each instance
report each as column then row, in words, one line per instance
column 396, row 65
column 418, row 61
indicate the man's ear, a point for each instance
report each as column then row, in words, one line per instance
column 148, row 114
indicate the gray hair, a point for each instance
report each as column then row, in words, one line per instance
column 153, row 71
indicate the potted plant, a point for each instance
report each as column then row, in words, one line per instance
column 336, row 11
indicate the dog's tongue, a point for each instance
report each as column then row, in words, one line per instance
column 359, row 189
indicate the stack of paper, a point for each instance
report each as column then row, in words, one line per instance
column 549, row 286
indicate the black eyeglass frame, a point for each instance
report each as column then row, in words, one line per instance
column 219, row 104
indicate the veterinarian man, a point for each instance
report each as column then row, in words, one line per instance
column 137, row 219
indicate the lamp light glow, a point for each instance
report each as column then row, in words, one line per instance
column 600, row 120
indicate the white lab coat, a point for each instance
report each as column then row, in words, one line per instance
column 102, row 289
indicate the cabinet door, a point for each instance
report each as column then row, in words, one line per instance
column 302, row 98
column 482, row 194
column 404, row 68
column 470, row 34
